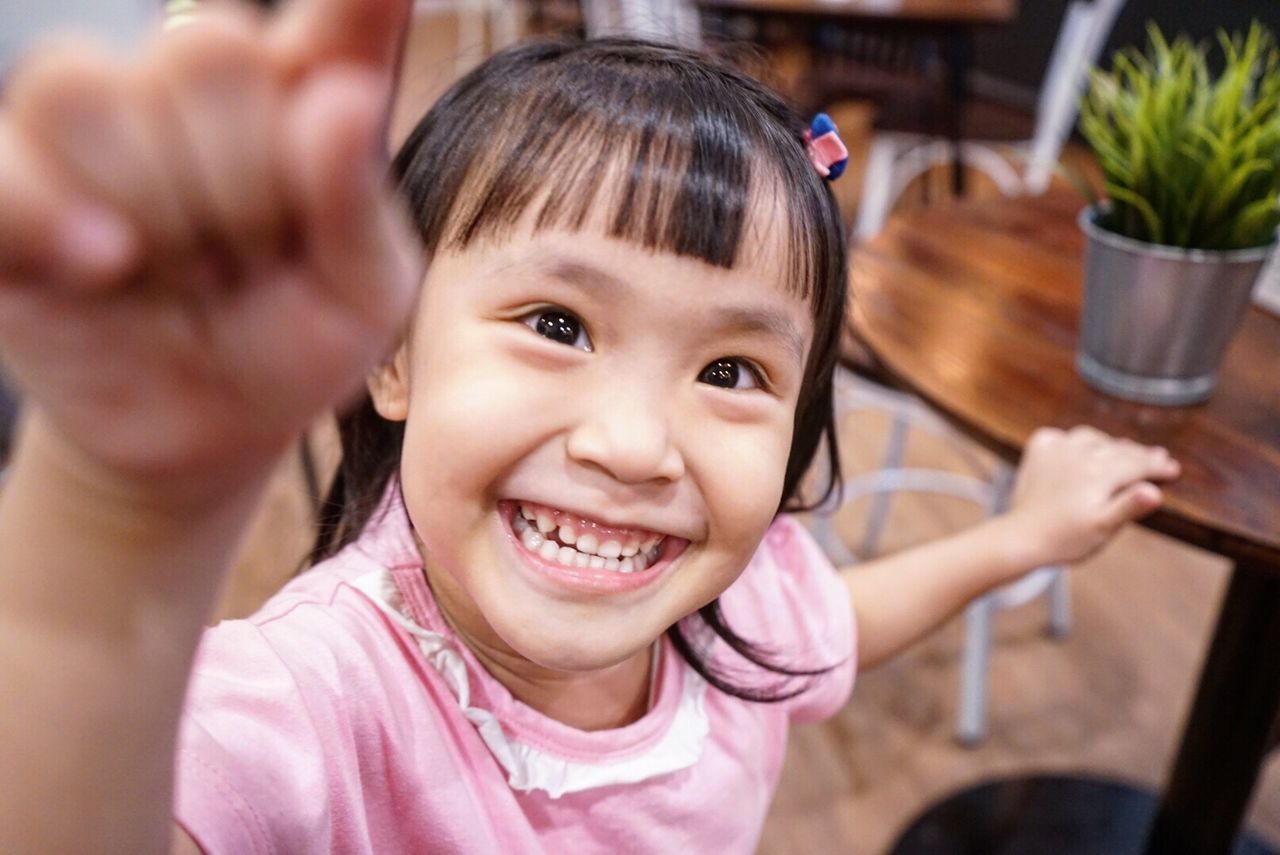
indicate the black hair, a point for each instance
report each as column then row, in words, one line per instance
column 696, row 151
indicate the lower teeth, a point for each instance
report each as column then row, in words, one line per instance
column 550, row 550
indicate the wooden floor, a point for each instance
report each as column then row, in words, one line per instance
column 1108, row 700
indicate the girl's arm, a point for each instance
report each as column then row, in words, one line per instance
column 103, row 594
column 1073, row 492
column 198, row 254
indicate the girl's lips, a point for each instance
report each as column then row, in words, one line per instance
column 590, row 579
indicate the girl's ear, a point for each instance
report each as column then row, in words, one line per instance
column 389, row 387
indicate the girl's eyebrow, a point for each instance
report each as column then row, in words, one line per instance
column 762, row 320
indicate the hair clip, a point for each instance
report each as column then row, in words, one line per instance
column 826, row 150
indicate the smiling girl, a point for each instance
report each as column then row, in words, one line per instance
column 555, row 605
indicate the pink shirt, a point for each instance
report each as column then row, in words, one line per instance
column 345, row 717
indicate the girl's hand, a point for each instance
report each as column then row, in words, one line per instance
column 1075, row 489
column 198, row 249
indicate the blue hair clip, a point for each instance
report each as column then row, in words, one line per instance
column 826, row 150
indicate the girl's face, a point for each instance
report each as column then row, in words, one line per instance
column 638, row 406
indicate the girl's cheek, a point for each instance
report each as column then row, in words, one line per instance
column 752, row 479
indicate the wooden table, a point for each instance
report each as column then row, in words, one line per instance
column 974, row 306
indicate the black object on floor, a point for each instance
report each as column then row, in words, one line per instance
column 1042, row 815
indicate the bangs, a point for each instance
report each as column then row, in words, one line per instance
column 687, row 166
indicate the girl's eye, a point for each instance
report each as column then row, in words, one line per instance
column 559, row 326
column 731, row 373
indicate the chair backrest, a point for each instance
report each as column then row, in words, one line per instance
column 1084, row 31
column 673, row 21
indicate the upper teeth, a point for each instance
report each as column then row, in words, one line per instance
column 572, row 549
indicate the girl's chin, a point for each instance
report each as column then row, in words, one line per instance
column 576, row 659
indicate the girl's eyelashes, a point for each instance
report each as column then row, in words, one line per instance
column 559, row 326
column 733, row 372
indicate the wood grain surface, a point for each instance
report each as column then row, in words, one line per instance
column 976, row 306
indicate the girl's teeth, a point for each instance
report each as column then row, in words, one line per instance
column 532, row 540
column 534, row 529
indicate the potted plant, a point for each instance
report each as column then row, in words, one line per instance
column 1191, row 165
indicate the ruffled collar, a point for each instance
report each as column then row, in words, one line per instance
column 537, row 752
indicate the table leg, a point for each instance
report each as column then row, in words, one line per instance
column 1226, row 734
column 957, row 49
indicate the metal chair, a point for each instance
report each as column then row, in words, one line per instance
column 983, row 484
column 672, row 21
column 896, row 159
column 893, row 162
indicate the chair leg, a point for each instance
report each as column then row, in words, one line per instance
column 1060, row 605
column 505, row 17
column 471, row 36
column 823, row 530
column 971, row 715
column 878, row 515
column 873, row 207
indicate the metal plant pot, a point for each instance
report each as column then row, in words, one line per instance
column 1157, row 319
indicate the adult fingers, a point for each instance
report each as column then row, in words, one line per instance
column 51, row 231
column 367, row 33
column 355, row 230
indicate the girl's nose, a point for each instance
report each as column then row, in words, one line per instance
column 627, row 436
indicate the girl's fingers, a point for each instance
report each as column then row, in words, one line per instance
column 1136, row 500
column 368, row 33
column 82, row 108
column 356, row 231
column 50, row 231
column 217, row 106
column 1125, row 463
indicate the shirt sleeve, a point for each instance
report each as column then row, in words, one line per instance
column 248, row 747
column 791, row 603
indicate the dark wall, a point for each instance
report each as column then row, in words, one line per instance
column 1019, row 52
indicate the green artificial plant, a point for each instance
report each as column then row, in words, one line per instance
column 1189, row 158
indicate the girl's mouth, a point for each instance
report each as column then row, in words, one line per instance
column 584, row 548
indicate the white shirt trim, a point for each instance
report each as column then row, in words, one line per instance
column 528, row 767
